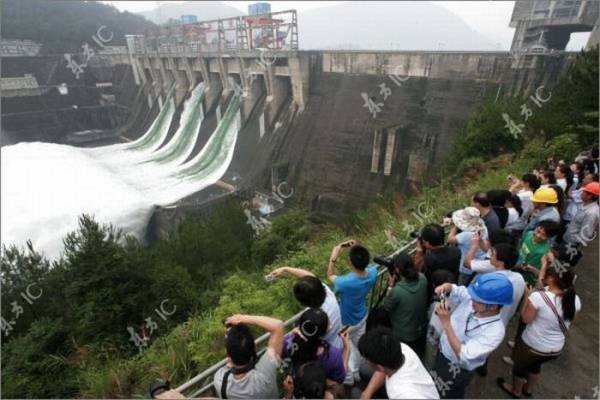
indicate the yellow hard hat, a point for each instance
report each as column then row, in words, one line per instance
column 545, row 195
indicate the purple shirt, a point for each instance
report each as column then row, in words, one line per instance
column 331, row 359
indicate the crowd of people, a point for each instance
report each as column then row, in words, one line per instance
column 510, row 254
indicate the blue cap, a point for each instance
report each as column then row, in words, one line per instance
column 491, row 288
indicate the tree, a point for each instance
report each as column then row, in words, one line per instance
column 22, row 271
column 37, row 366
column 285, row 234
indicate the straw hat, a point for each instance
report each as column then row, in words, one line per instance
column 468, row 219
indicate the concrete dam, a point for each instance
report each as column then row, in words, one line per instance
column 336, row 128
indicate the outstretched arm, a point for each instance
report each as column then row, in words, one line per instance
column 170, row 395
column 296, row 272
column 271, row 325
column 335, row 253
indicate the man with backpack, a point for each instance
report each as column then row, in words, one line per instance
column 245, row 376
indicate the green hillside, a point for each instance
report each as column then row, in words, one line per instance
column 64, row 26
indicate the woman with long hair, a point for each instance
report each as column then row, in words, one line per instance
column 407, row 303
column 306, row 343
column 564, row 177
column 515, row 212
column 547, row 178
column 560, row 195
column 578, row 173
column 548, row 314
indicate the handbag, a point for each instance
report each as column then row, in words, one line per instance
column 561, row 322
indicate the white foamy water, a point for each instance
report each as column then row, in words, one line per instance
column 46, row 187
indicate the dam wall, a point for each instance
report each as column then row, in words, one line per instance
column 341, row 152
column 340, row 127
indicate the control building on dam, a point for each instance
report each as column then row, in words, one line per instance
column 339, row 127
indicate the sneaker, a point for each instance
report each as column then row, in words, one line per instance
column 511, row 344
column 508, row 360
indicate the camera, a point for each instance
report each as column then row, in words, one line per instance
column 384, row 260
column 415, row 235
column 442, row 298
column 387, row 262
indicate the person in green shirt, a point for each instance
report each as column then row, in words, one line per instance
column 406, row 303
column 535, row 244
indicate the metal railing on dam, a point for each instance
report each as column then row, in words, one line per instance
column 205, row 377
column 269, row 31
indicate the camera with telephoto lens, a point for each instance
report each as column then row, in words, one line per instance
column 387, row 262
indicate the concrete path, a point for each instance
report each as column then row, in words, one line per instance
column 575, row 373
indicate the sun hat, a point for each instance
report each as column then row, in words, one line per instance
column 468, row 219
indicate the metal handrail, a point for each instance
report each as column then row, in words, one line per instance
column 262, row 339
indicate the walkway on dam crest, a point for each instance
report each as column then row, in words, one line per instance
column 575, row 373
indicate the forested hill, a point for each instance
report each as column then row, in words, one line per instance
column 64, row 26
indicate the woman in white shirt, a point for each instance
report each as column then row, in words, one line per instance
column 516, row 221
column 548, row 314
column 564, row 177
column 574, row 203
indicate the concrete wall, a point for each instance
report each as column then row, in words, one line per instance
column 489, row 66
column 330, row 147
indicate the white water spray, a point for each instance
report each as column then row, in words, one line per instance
column 46, row 187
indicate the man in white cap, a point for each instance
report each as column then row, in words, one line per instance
column 468, row 222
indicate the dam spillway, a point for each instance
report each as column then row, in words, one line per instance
column 118, row 184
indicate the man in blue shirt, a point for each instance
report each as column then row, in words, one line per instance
column 467, row 222
column 353, row 289
column 473, row 330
